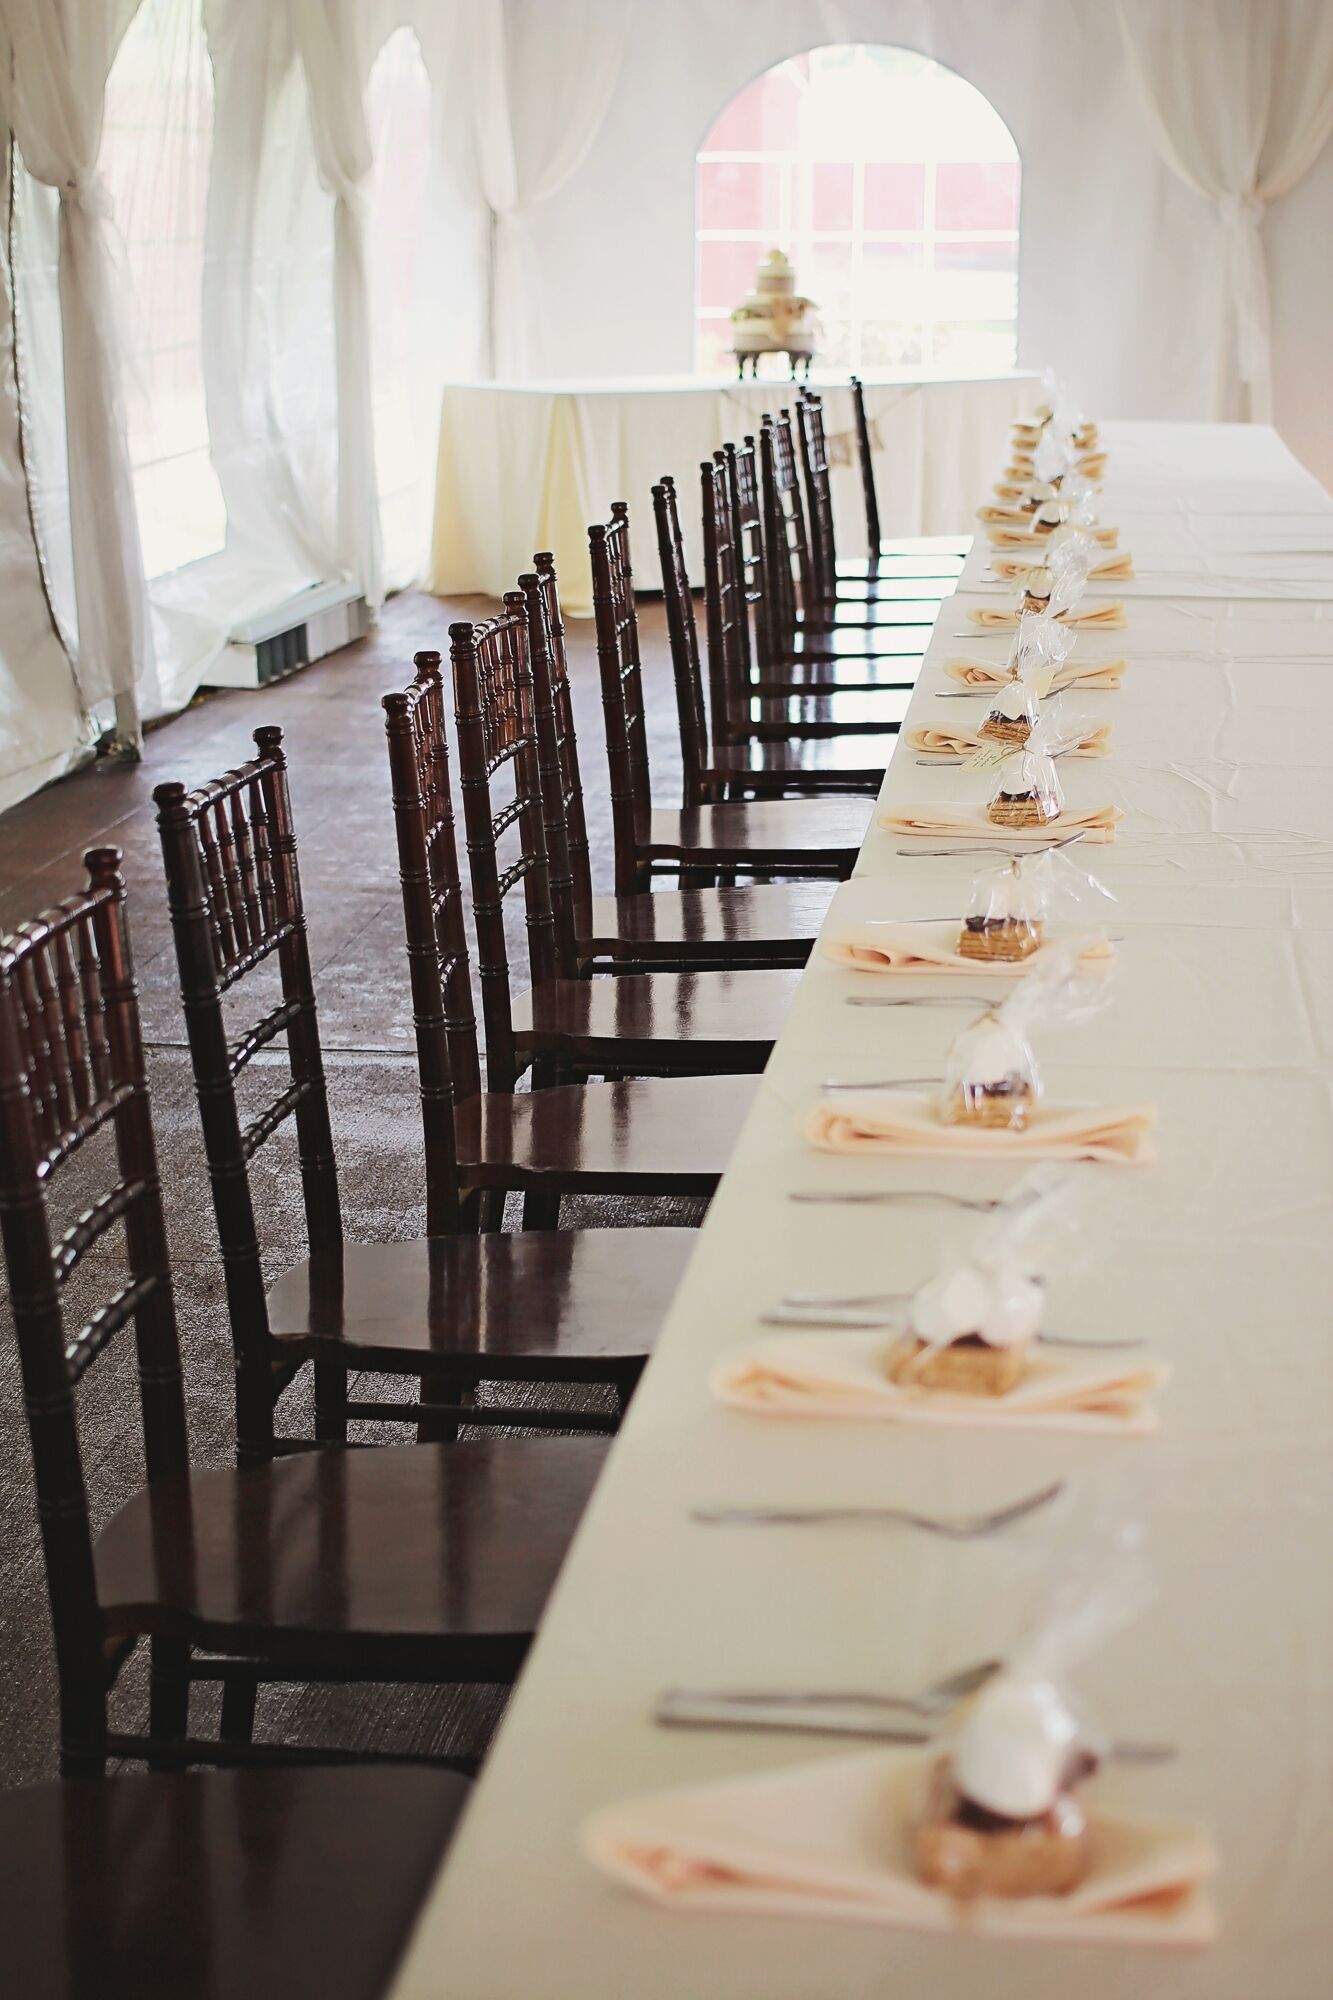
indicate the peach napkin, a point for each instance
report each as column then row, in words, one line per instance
column 1016, row 535
column 938, row 740
column 832, row 1839
column 1102, row 617
column 880, row 945
column 1017, row 569
column 1092, row 464
column 969, row 822
column 900, row 1121
column 986, row 674
column 832, row 1374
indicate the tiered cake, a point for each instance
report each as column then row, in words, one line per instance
column 774, row 319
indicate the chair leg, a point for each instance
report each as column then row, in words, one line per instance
column 168, row 1699
column 541, row 1209
column 238, row 1709
column 440, row 1430
column 330, row 1403
column 491, row 1212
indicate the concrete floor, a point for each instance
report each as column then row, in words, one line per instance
column 331, row 717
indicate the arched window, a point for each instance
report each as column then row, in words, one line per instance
column 404, row 334
column 893, row 186
column 157, row 141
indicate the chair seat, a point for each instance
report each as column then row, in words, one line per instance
column 878, row 614
column 910, row 555
column 765, row 833
column 889, row 586
column 677, row 1021
column 434, row 1559
column 839, row 698
column 850, row 642
column 764, row 920
column 648, row 1136
column 804, row 765
column 299, row 1883
column 543, row 1305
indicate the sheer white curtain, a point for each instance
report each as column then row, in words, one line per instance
column 53, row 72
column 541, row 80
column 1239, row 95
column 338, row 41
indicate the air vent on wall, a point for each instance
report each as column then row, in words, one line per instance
column 274, row 643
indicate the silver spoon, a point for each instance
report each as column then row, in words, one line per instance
column 886, row 1082
column 853, row 1319
column 936, row 1698
column 888, row 1197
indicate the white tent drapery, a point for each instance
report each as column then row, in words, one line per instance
column 1239, row 95
column 57, row 58
column 541, row 80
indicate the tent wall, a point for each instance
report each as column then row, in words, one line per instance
column 563, row 136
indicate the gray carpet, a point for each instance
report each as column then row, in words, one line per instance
column 349, row 871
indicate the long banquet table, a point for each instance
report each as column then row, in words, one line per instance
column 1222, row 1252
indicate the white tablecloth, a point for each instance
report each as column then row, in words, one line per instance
column 527, row 465
column 1222, row 1253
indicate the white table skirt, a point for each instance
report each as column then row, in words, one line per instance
column 527, row 466
column 1221, row 1253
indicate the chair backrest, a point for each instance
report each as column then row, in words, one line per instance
column 747, row 509
column 683, row 637
column 818, row 494
column 621, row 670
column 234, row 892
column 439, row 972
column 788, row 575
column 868, row 492
column 725, row 600
column 71, row 1063
column 501, row 787
column 558, row 760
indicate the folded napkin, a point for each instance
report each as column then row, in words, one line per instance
column 983, row 675
column 1020, row 537
column 969, row 823
column 832, row 1838
column 1100, row 617
column 898, row 1121
column 943, row 741
column 880, row 945
column 827, row 1374
column 1017, row 569
column 1092, row 464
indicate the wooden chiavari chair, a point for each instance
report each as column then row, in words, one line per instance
column 842, row 601
column 797, row 619
column 429, row 1563
column 644, row 1136
column 219, row 1883
column 677, row 929
column 643, row 1024
column 906, row 557
column 771, row 836
column 455, row 1310
column 794, row 743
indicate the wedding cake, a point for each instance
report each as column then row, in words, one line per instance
column 774, row 318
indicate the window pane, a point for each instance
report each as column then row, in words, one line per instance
column 726, row 271
column 763, row 118
column 895, row 196
column 977, row 195
column 831, row 195
column 963, row 255
column 976, row 345
column 740, row 194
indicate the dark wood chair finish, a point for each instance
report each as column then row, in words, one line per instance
column 833, row 742
column 643, row 1024
column 280, row 1885
column 907, row 557
column 773, row 837
column 457, row 1313
column 643, row 1136
column 844, row 602
column 798, row 620
column 682, row 930
column 427, row 1563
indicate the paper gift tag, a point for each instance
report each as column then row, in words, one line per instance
column 988, row 756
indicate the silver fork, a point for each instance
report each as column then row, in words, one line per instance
column 919, row 1000
column 953, row 1527
column 989, row 847
column 850, row 1318
column 884, row 1082
column 891, row 1197
column 936, row 1698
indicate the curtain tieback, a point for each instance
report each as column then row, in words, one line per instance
column 91, row 195
column 1238, row 208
